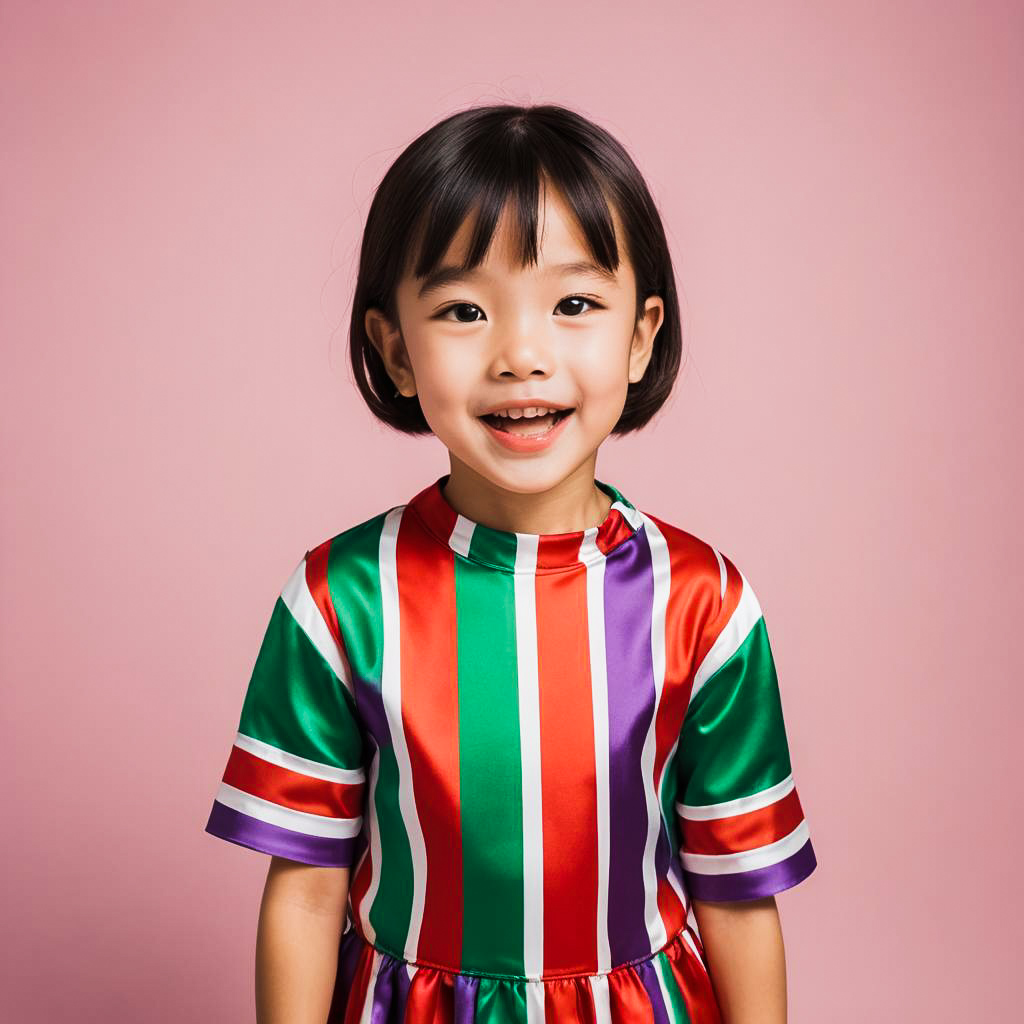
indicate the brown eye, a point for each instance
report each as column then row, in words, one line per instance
column 575, row 299
column 461, row 306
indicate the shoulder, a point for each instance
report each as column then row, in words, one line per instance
column 703, row 574
column 340, row 571
column 356, row 542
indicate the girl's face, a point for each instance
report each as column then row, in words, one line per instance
column 560, row 334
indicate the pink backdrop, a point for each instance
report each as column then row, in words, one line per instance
column 183, row 190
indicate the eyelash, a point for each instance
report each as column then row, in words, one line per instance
column 444, row 312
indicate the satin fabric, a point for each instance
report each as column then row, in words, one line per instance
column 672, row 985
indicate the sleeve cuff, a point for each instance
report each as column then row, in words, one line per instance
column 321, row 851
column 755, row 883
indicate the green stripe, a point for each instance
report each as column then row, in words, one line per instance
column 495, row 546
column 392, row 905
column 614, row 493
column 498, row 547
column 353, row 578
column 295, row 701
column 500, row 1001
column 733, row 741
column 677, row 1005
column 490, row 771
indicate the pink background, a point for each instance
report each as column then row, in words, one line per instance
column 184, row 187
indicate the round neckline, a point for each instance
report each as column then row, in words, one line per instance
column 511, row 551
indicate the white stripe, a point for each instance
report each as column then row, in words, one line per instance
column 592, row 556
column 675, row 877
column 525, row 596
column 744, row 617
column 391, row 696
column 661, row 569
column 287, row 817
column 691, row 921
column 462, row 535
column 294, row 763
column 373, row 850
column 741, row 805
column 660, row 967
column 723, row 573
column 696, row 952
column 300, row 603
column 366, row 1014
column 534, row 1001
column 632, row 515
column 602, row 1003
column 747, row 860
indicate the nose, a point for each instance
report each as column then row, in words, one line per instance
column 522, row 349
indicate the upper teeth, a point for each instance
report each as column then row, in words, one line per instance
column 532, row 410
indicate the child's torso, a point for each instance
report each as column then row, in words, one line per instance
column 520, row 699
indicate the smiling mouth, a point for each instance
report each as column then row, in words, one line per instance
column 532, row 426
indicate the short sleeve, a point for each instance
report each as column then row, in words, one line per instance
column 743, row 834
column 295, row 781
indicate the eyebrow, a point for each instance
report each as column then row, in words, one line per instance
column 451, row 275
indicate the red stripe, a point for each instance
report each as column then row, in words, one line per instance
column 694, row 984
column 613, row 531
column 569, row 1000
column 745, row 831
column 694, row 583
column 316, row 581
column 431, row 997
column 359, row 990
column 252, row 774
column 718, row 618
column 430, row 714
column 627, row 997
column 567, row 753
column 362, row 873
column 670, row 906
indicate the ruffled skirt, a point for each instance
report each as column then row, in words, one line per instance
column 669, row 987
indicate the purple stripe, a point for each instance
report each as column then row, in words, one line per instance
column 402, row 983
column 383, row 989
column 649, row 976
column 370, row 701
column 628, row 600
column 465, row 998
column 323, row 851
column 348, row 959
column 756, row 884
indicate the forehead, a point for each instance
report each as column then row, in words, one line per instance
column 561, row 248
column 559, row 235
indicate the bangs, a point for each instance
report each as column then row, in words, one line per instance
column 484, row 164
column 486, row 179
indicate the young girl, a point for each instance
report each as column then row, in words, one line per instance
column 541, row 728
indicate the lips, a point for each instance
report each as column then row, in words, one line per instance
column 540, row 432
column 525, row 426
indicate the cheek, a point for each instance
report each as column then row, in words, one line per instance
column 442, row 383
column 603, row 375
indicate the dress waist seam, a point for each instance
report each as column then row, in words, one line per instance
column 676, row 938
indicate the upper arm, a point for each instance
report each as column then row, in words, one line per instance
column 321, row 890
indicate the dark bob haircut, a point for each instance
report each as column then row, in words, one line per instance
column 472, row 163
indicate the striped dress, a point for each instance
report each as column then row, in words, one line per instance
column 531, row 750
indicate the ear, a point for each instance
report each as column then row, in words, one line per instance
column 643, row 337
column 387, row 339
